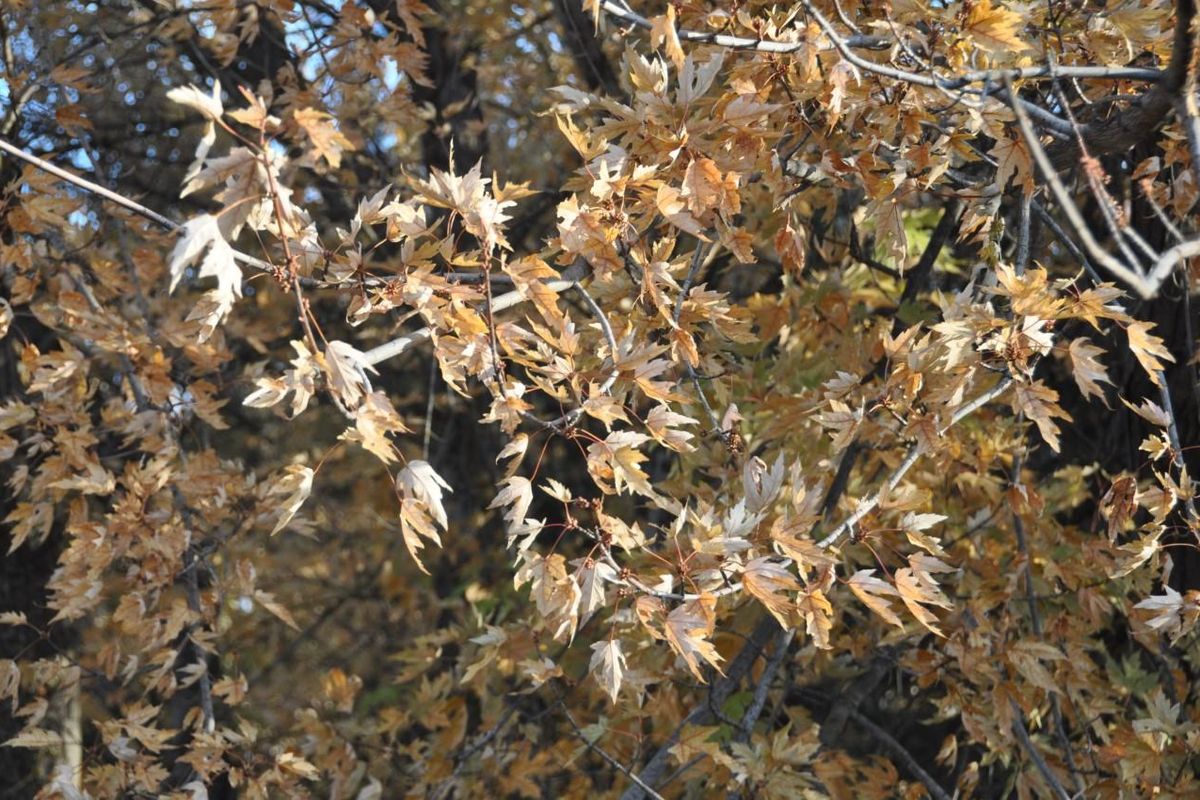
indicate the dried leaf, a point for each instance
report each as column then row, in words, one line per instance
column 608, row 665
column 687, row 629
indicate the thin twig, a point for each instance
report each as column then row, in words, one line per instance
column 738, row 42
column 1129, row 274
column 1023, row 736
column 901, row 754
column 591, row 745
column 121, row 200
column 700, row 714
column 782, row 642
column 1035, row 619
column 915, row 452
column 693, row 270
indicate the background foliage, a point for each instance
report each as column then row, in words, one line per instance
column 476, row 399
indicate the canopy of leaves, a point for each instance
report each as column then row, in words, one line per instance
column 462, row 399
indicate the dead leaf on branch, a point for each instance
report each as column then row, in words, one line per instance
column 687, row 629
column 200, row 234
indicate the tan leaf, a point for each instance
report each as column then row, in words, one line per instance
column 1148, row 348
column 420, row 507
column 769, row 583
column 277, row 609
column 608, row 665
column 1087, row 369
column 35, row 737
column 347, row 368
column 592, row 577
column 664, row 34
column 1012, row 163
column 817, row 611
column 296, row 483
column 327, row 141
column 918, row 590
column 1150, row 411
column 994, row 28
column 374, row 420
column 1040, row 403
column 518, row 495
column 97, row 480
column 687, row 630
column 194, row 98
column 197, row 235
column 871, row 592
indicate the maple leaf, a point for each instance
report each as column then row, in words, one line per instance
column 664, row 425
column 592, row 577
column 327, row 141
column 664, row 34
column 1150, row 411
column 194, row 98
column 872, row 591
column 515, row 450
column 817, row 611
column 373, row 421
column 1174, row 614
column 296, row 483
column 1027, row 656
column 275, row 608
column 1148, row 348
column 347, row 370
column 917, row 590
column 768, row 582
column 695, row 80
column 687, row 629
column 913, row 524
column 257, row 116
column 761, row 485
column 704, row 189
column 96, row 480
column 608, row 665
column 1040, row 403
column 994, row 28
column 421, row 489
column 554, row 592
column 517, row 493
column 460, row 193
column 1136, row 553
column 1087, row 369
column 35, row 737
column 1117, row 505
column 672, row 206
column 618, row 457
column 1012, row 163
column 198, row 235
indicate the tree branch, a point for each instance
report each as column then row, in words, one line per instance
column 701, row 713
column 866, row 506
column 738, row 42
column 1124, row 129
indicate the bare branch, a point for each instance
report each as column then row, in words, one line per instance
column 738, row 42
column 1124, row 129
column 1095, row 252
column 591, row 745
column 901, row 754
column 701, row 713
column 1036, row 757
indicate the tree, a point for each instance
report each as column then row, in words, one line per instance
column 543, row 400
